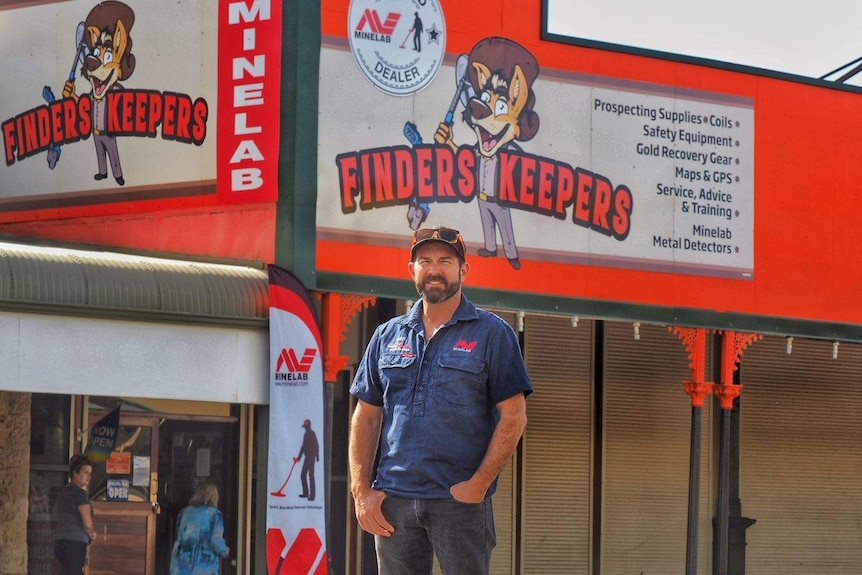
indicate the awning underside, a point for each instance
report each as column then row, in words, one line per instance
column 94, row 282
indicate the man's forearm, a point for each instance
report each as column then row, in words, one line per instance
column 503, row 443
column 364, row 437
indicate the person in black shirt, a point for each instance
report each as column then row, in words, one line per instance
column 74, row 528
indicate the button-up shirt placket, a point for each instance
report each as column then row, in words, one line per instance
column 428, row 353
column 421, row 392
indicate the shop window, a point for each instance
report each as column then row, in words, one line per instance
column 49, row 453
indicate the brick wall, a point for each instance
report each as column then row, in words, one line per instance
column 14, row 480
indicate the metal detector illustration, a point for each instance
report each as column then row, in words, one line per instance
column 280, row 492
column 417, row 212
column 81, row 51
column 463, row 90
column 409, row 32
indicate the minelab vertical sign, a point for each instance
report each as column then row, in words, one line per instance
column 296, row 506
column 249, row 88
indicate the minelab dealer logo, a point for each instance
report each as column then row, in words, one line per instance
column 297, row 368
column 371, row 28
column 398, row 44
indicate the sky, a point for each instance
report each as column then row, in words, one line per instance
column 807, row 39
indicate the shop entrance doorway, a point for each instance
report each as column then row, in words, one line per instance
column 138, row 493
column 124, row 494
column 193, row 452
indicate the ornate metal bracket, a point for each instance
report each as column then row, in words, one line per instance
column 733, row 343
column 338, row 311
column 694, row 340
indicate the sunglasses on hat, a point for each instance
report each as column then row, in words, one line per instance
column 441, row 234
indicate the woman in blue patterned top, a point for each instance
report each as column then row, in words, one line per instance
column 200, row 535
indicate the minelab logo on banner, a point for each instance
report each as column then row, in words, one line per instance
column 296, row 367
column 398, row 44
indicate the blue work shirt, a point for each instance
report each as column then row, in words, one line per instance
column 438, row 397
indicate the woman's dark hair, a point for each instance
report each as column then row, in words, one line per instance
column 77, row 462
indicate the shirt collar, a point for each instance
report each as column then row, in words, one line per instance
column 466, row 311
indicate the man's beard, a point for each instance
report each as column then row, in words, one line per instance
column 437, row 293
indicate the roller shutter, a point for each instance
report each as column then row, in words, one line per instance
column 502, row 560
column 801, row 462
column 557, row 447
column 647, row 430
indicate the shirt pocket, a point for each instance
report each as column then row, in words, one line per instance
column 461, row 381
column 396, row 375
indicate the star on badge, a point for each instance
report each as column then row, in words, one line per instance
column 434, row 34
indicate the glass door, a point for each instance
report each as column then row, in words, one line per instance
column 124, row 492
column 193, row 451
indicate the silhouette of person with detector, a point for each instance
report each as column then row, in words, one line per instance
column 311, row 450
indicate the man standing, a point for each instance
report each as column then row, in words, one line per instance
column 311, row 449
column 441, row 393
column 418, row 28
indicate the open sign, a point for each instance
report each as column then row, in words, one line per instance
column 118, row 490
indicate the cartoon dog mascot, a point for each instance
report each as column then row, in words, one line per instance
column 501, row 74
column 108, row 60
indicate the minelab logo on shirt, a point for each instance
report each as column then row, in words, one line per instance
column 399, row 345
column 398, row 44
column 297, row 368
column 462, row 345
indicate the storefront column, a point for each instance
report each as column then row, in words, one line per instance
column 338, row 311
column 694, row 340
column 732, row 345
column 14, row 480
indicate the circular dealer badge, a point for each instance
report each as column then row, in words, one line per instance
column 398, row 44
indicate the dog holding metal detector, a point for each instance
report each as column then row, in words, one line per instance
column 107, row 46
column 498, row 81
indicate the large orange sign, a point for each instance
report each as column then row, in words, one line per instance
column 593, row 175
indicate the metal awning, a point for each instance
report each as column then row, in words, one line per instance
column 100, row 283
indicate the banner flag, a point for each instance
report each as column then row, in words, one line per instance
column 296, row 488
column 103, row 435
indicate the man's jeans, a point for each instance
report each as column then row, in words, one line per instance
column 461, row 535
